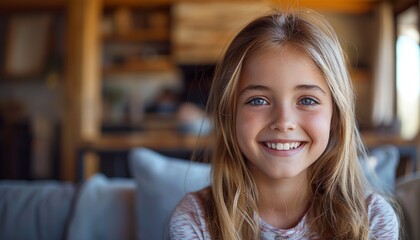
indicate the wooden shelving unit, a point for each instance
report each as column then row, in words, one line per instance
column 31, row 5
column 92, row 26
column 139, row 65
column 138, row 36
column 135, row 36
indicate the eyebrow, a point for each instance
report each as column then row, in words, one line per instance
column 310, row 87
column 253, row 87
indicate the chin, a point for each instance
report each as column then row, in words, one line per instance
column 286, row 174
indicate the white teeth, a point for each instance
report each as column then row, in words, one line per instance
column 283, row 146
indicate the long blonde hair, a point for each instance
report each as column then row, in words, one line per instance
column 338, row 207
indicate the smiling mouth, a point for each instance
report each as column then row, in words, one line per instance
column 283, row 146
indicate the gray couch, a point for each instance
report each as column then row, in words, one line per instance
column 111, row 208
column 101, row 208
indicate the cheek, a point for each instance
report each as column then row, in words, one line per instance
column 247, row 126
column 319, row 127
column 243, row 121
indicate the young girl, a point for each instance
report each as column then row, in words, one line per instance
column 285, row 154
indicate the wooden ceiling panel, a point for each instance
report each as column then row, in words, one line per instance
column 348, row 6
column 342, row 6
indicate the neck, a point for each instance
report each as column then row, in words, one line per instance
column 283, row 203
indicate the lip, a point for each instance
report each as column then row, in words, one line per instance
column 283, row 153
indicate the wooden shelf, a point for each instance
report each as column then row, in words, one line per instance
column 138, row 36
column 141, row 65
column 159, row 140
column 137, row 3
column 31, row 5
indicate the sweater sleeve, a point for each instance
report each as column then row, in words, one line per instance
column 383, row 221
column 188, row 221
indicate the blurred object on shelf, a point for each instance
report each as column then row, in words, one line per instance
column 166, row 102
column 127, row 96
column 27, row 44
column 115, row 103
column 122, row 20
column 193, row 120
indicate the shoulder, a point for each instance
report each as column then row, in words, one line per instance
column 192, row 204
column 188, row 220
column 383, row 221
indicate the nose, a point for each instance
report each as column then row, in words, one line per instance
column 283, row 119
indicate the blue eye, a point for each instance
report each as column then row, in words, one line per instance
column 308, row 101
column 257, row 102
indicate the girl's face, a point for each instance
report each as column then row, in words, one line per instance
column 284, row 113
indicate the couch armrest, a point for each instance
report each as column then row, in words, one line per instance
column 34, row 210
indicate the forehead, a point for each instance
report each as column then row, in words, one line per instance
column 287, row 63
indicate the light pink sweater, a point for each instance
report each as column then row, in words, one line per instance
column 188, row 221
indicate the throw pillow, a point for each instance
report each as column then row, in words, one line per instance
column 162, row 181
column 104, row 210
column 381, row 166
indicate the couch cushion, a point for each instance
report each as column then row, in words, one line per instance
column 34, row 210
column 408, row 194
column 381, row 166
column 161, row 183
column 104, row 210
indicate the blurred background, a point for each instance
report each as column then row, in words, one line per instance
column 84, row 81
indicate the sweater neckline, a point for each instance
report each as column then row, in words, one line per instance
column 270, row 232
